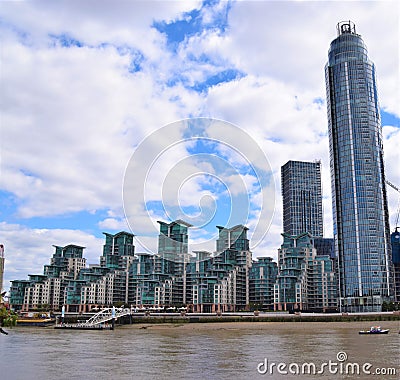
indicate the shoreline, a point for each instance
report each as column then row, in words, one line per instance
column 190, row 319
column 193, row 318
column 393, row 326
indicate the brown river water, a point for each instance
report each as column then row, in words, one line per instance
column 245, row 350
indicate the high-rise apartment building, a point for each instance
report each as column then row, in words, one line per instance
column 302, row 198
column 118, row 250
column 395, row 241
column 306, row 280
column 173, row 240
column 262, row 277
column 360, row 212
column 173, row 246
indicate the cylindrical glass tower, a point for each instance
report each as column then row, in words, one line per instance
column 360, row 212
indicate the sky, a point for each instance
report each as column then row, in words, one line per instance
column 117, row 114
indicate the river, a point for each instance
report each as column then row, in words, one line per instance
column 226, row 351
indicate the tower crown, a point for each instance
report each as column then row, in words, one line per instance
column 345, row 27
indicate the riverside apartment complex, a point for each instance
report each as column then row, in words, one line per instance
column 226, row 280
column 204, row 282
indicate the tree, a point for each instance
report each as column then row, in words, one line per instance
column 7, row 317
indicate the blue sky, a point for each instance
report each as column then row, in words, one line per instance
column 83, row 88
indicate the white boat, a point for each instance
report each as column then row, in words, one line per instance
column 374, row 330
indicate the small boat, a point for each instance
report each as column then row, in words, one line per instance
column 35, row 319
column 374, row 330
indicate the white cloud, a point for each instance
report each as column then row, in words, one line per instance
column 71, row 119
column 289, row 41
column 27, row 250
column 391, row 143
column 114, row 224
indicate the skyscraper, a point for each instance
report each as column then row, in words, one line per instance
column 173, row 247
column 395, row 241
column 302, row 198
column 360, row 213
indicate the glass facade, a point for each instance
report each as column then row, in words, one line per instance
column 235, row 238
column 360, row 213
column 173, row 239
column 306, row 279
column 302, row 198
column 325, row 247
column 262, row 277
column 116, row 250
column 395, row 241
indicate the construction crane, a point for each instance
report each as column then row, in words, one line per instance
column 398, row 208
